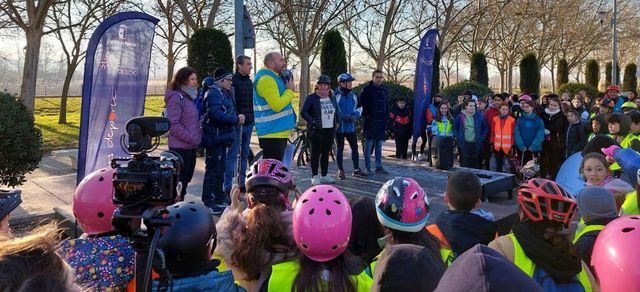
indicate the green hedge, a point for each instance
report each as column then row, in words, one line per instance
column 20, row 141
column 451, row 92
column 630, row 80
column 529, row 74
column 592, row 73
column 207, row 50
column 573, row 88
column 333, row 60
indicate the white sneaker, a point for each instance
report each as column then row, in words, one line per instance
column 422, row 157
column 315, row 180
column 327, row 179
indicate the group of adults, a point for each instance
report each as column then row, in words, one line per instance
column 233, row 105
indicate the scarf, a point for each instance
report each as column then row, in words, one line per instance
column 322, row 93
column 192, row 92
column 561, row 266
column 551, row 113
column 502, row 117
column 345, row 91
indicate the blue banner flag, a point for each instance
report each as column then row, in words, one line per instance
column 422, row 84
column 114, row 86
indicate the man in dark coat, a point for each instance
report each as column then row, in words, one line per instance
column 375, row 112
column 243, row 95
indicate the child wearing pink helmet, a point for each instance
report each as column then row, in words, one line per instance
column 251, row 240
column 321, row 229
column 101, row 258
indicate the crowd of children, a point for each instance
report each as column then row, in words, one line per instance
column 320, row 241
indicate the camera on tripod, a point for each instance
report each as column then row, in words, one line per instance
column 147, row 180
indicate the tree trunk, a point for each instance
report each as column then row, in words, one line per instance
column 304, row 77
column 510, row 77
column 502, row 79
column 62, row 117
column 30, row 70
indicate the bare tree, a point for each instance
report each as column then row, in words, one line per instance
column 30, row 16
column 304, row 24
column 78, row 18
column 199, row 13
column 172, row 32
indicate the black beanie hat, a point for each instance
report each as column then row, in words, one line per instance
column 220, row 74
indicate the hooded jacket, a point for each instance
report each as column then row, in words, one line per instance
column 529, row 132
column 220, row 118
column 479, row 125
column 463, row 230
column 401, row 123
column 576, row 138
column 483, row 269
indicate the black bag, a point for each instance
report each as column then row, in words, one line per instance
column 443, row 152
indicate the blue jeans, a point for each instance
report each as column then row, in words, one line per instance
column 369, row 143
column 212, row 192
column 232, row 157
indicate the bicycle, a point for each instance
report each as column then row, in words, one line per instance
column 301, row 142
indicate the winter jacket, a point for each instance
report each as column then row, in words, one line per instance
column 401, row 123
column 312, row 111
column 576, row 138
column 462, row 230
column 211, row 281
column 489, row 114
column 480, row 127
column 556, row 124
column 529, row 132
column 349, row 110
column 185, row 132
column 273, row 112
column 243, row 94
column 220, row 118
column 584, row 244
column 375, row 110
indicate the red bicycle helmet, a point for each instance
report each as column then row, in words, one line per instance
column 542, row 199
column 613, row 88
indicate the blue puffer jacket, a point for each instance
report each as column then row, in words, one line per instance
column 220, row 118
column 213, row 281
column 529, row 132
column 349, row 110
column 480, row 127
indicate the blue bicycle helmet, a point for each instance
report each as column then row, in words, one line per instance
column 9, row 201
column 345, row 77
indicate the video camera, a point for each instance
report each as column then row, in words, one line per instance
column 144, row 186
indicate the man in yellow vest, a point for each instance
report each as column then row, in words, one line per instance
column 597, row 207
column 273, row 111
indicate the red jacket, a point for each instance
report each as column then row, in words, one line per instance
column 490, row 113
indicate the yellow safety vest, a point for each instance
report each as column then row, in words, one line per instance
column 525, row 264
column 222, row 266
column 283, row 275
column 630, row 205
column 447, row 256
column 586, row 229
column 445, row 128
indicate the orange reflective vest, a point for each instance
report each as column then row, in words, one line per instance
column 502, row 137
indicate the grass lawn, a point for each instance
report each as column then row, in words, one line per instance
column 56, row 136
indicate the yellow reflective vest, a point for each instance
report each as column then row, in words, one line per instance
column 525, row 264
column 630, row 205
column 586, row 229
column 283, row 275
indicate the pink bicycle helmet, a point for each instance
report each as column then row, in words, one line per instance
column 269, row 172
column 615, row 255
column 322, row 223
column 401, row 204
column 93, row 202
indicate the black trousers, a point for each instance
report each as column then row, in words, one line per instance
column 470, row 157
column 353, row 143
column 273, row 147
column 401, row 148
column 423, row 138
column 188, row 166
column 321, row 142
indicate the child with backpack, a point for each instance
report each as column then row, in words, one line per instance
column 101, row 258
column 458, row 229
column 321, row 229
column 536, row 244
column 401, row 125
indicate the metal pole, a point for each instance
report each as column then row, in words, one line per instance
column 239, row 29
column 614, row 64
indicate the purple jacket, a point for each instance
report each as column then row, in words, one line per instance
column 185, row 130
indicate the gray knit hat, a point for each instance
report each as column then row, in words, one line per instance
column 596, row 203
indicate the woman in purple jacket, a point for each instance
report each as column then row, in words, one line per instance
column 185, row 133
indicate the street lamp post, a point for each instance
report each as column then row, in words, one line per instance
column 614, row 40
